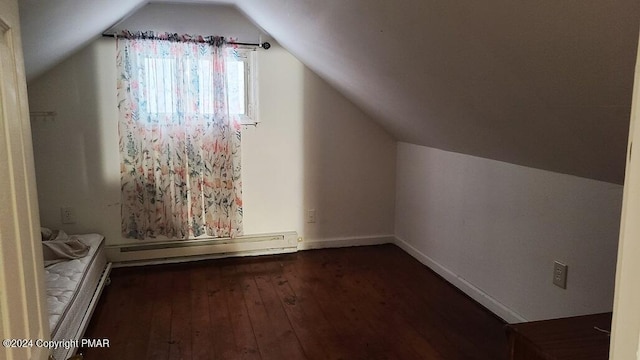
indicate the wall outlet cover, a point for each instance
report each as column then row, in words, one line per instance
column 560, row 274
column 68, row 215
column 311, row 216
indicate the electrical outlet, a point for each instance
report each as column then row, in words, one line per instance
column 68, row 215
column 560, row 274
column 311, row 215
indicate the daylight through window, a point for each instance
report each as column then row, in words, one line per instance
column 160, row 92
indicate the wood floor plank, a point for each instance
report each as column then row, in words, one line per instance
column 472, row 329
column 310, row 338
column 181, row 320
column 280, row 325
column 246, row 345
column 114, row 300
column 420, row 314
column 391, row 304
column 160, row 303
column 384, row 309
column 315, row 334
column 201, row 336
column 222, row 338
column 141, row 313
column 354, row 303
column 313, row 319
column 266, row 338
column 391, row 336
column 125, row 342
column 360, row 339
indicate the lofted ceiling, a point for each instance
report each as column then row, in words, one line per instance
column 545, row 84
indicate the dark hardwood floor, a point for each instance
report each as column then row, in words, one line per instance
column 372, row 302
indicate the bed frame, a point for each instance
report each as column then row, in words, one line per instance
column 74, row 319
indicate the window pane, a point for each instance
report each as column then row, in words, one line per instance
column 236, row 86
column 206, row 86
column 158, row 91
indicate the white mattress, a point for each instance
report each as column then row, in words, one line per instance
column 71, row 286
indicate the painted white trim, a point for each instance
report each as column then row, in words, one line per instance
column 183, row 259
column 23, row 306
column 248, row 246
column 475, row 293
column 625, row 328
column 188, row 250
column 346, row 242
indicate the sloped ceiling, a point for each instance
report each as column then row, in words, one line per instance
column 545, row 84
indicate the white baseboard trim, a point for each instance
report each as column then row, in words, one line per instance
column 345, row 242
column 155, row 253
column 161, row 252
column 185, row 259
column 475, row 293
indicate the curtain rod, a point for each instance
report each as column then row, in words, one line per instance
column 265, row 45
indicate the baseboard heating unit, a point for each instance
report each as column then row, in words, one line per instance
column 197, row 249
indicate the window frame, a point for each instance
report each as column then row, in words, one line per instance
column 248, row 56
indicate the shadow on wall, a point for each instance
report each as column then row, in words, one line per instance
column 76, row 151
column 349, row 168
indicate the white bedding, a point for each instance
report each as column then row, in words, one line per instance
column 70, row 289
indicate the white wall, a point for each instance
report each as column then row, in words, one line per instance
column 494, row 229
column 312, row 149
column 204, row 19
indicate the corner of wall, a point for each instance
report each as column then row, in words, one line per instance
column 504, row 312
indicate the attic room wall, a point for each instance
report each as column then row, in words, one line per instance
column 308, row 135
column 494, row 230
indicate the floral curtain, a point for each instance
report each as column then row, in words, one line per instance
column 179, row 148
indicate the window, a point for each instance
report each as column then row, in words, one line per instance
column 160, row 75
column 180, row 109
column 242, row 86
